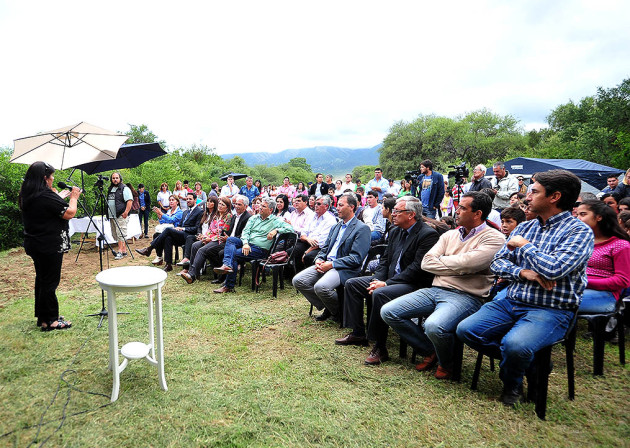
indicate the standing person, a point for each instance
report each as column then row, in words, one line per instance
column 144, row 198
column 446, row 206
column 545, row 259
column 393, row 188
column 186, row 187
column 119, row 201
column 329, row 180
column 301, row 190
column 258, row 184
column 181, row 194
column 338, row 260
column 163, row 197
column 522, row 188
column 229, row 189
column 286, row 188
column 479, row 182
column 338, row 189
column 432, row 189
column 378, row 184
column 249, row 190
column 612, row 182
column 503, row 184
column 319, row 188
column 135, row 205
column 348, row 184
column 45, row 215
column 214, row 189
column 202, row 197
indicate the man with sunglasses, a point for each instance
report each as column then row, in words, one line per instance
column 399, row 272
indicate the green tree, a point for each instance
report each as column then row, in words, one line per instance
column 142, row 134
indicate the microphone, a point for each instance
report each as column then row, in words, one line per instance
column 63, row 186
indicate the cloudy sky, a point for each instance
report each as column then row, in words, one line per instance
column 243, row 76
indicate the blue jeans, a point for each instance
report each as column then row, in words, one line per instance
column 594, row 301
column 233, row 253
column 429, row 213
column 375, row 235
column 445, row 308
column 515, row 331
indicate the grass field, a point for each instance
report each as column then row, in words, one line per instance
column 248, row 370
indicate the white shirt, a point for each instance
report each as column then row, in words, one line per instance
column 227, row 191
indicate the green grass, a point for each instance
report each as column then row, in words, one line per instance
column 249, row 370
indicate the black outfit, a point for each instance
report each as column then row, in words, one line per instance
column 164, row 241
column 215, row 254
column 408, row 246
column 478, row 185
column 46, row 239
column 323, row 189
column 144, row 214
column 622, row 191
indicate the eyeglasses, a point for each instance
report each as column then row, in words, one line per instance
column 397, row 211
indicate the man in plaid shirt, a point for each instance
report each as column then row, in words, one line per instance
column 545, row 259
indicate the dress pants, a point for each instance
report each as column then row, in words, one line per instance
column 198, row 255
column 298, row 252
column 233, row 254
column 319, row 289
column 144, row 215
column 164, row 242
column 356, row 292
column 47, row 277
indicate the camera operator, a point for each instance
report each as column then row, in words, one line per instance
column 479, row 182
column 431, row 189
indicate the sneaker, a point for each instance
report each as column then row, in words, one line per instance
column 119, row 256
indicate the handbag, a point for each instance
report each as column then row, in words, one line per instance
column 277, row 257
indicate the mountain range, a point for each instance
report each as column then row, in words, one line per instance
column 325, row 159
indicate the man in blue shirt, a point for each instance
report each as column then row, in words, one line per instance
column 545, row 259
column 431, row 189
column 378, row 184
column 249, row 189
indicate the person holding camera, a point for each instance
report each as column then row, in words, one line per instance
column 431, row 185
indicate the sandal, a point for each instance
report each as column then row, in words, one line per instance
column 61, row 325
column 40, row 322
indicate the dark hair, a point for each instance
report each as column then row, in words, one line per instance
column 378, row 168
column 298, row 187
column 609, row 195
column 111, row 184
column 34, row 182
column 205, row 217
column 611, row 176
column 427, row 164
column 303, row 197
column 133, row 192
column 193, row 194
column 514, row 213
column 449, row 221
column 489, row 191
column 609, row 224
column 213, row 185
column 372, row 193
column 350, row 199
column 285, row 200
column 518, row 195
column 186, row 182
column 480, row 201
column 625, row 201
column 623, row 216
column 563, row 182
column 140, row 186
column 389, row 203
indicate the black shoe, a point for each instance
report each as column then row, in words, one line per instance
column 510, row 397
column 324, row 316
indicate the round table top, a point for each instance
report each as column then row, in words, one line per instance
column 131, row 276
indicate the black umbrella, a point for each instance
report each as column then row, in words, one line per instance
column 234, row 175
column 129, row 156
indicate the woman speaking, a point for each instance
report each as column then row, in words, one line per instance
column 45, row 215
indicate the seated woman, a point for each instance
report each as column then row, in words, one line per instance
column 610, row 201
column 282, row 205
column 406, row 188
column 311, row 202
column 608, row 269
column 206, row 218
column 173, row 216
column 218, row 225
column 256, row 205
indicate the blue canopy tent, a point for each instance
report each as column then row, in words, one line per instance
column 591, row 173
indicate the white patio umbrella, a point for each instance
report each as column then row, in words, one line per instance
column 68, row 147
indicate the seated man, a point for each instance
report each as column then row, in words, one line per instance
column 398, row 273
column 339, row 259
column 460, row 261
column 176, row 235
column 372, row 215
column 314, row 235
column 545, row 259
column 254, row 243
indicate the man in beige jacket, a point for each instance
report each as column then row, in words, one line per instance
column 460, row 261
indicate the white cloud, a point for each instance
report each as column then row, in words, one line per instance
column 249, row 76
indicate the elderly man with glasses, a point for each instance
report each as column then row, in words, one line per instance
column 399, row 272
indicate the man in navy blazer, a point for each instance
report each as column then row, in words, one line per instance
column 176, row 235
column 339, row 259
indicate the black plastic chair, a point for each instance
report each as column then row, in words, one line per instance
column 282, row 241
column 598, row 325
column 538, row 384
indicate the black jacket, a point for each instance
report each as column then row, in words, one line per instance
column 420, row 240
column 241, row 224
column 190, row 220
column 323, row 189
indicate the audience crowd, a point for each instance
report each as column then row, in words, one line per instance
column 499, row 263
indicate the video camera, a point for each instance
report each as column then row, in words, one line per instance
column 459, row 173
column 412, row 176
column 100, row 180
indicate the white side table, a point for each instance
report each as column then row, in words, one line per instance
column 130, row 279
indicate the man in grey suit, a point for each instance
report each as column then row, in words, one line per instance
column 398, row 273
column 339, row 259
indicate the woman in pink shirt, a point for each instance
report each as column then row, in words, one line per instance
column 608, row 269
